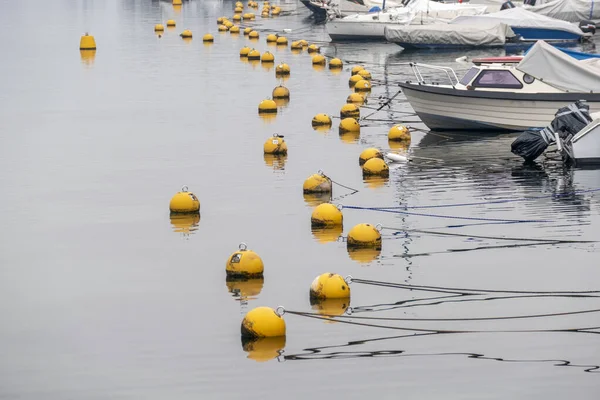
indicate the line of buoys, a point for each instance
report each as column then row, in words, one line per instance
column 349, row 110
column 369, row 153
column 87, row 42
column 267, row 57
column 275, row 145
column 281, row 92
column 276, row 11
column 184, row 202
column 376, row 166
column 325, row 215
column 248, row 16
column 321, row 120
column 364, row 235
column 244, row 264
column 317, row 183
column 349, row 125
column 399, row 133
column 355, row 98
column 267, row 106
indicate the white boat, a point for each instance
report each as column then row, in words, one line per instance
column 567, row 10
column 510, row 97
column 372, row 26
column 321, row 9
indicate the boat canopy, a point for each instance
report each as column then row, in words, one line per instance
column 560, row 70
column 568, row 10
column 440, row 35
column 520, row 18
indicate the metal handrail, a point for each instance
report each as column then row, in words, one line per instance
column 450, row 74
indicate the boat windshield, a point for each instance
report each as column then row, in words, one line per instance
column 469, row 76
column 500, row 79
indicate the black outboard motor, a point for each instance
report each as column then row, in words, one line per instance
column 529, row 2
column 506, row 5
column 588, row 27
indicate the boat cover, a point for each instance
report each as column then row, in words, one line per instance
column 557, row 69
column 568, row 10
column 520, row 18
column 437, row 10
column 449, row 35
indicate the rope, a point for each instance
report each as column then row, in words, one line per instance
column 383, row 105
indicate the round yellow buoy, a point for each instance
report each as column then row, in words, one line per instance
column 87, row 42
column 267, row 57
column 281, row 92
column 318, row 59
column 271, row 37
column 321, row 119
column 349, row 125
column 228, row 23
column 244, row 51
column 208, row 38
column 329, row 286
column 263, row 322
column 239, row 4
column 237, row 18
column 238, row 10
column 247, row 31
column 369, row 153
column 356, row 68
column 244, row 264
column 223, row 28
column 220, row 20
column 335, row 63
column 376, row 166
column 366, row 75
column 265, row 14
column 253, row 35
column 159, row 28
column 187, row 34
column 254, row 55
column 362, row 86
column 275, row 145
column 326, row 214
column 234, row 29
column 267, row 106
column 282, row 69
column 399, row 133
column 364, row 235
column 317, row 183
column 354, row 79
column 349, row 110
column 303, row 42
column 276, row 11
column 177, row 2
column 171, row 23
column 184, row 202
column 296, row 45
column 282, row 40
column 248, row 16
column 355, row 98
column 313, row 48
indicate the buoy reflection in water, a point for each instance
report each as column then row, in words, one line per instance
column 364, row 255
column 322, row 128
column 281, row 103
column 263, row 349
column 268, row 117
column 400, row 147
column 314, row 199
column 319, row 67
column 245, row 289
column 330, row 307
column 326, row 234
column 88, row 57
column 185, row 223
column 374, row 181
column 350, row 137
column 276, row 161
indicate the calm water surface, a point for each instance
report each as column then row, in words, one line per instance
column 102, row 295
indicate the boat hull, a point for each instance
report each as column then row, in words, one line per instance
column 340, row 30
column 320, row 13
column 549, row 35
column 586, row 144
column 446, row 108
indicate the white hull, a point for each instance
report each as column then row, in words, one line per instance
column 586, row 144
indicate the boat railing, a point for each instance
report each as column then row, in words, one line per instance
column 449, row 72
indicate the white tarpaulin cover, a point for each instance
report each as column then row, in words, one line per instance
column 558, row 69
column 449, row 35
column 568, row 10
column 520, row 18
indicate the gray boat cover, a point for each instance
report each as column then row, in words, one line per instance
column 450, row 35
column 567, row 10
column 520, row 18
column 560, row 70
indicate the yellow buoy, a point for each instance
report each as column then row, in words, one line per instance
column 171, row 23
column 399, row 133
column 364, row 235
column 313, row 48
column 87, row 42
column 184, row 202
column 366, row 75
column 248, row 16
column 329, row 286
column 282, row 40
column 303, row 42
column 326, row 214
column 159, row 28
column 254, row 55
column 349, row 110
column 223, row 28
column 244, row 51
column 369, row 153
column 355, row 98
column 362, row 86
column 247, row 31
column 349, row 125
column 177, row 2
column 264, row 349
column 267, row 106
column 237, row 18
column 321, row 120
column 238, row 10
column 282, row 69
column 276, row 11
column 281, row 92
column 265, row 14
column 187, row 34
column 317, row 183
column 318, row 59
column 253, row 35
column 335, row 63
column 275, row 145
column 271, row 37
column 296, row 45
column 208, row 38
column 239, row 4
column 356, row 68
column 244, row 264
column 263, row 322
column 228, row 23
column 220, row 20
column 354, row 79
column 376, row 166
column 267, row 57
column 234, row 29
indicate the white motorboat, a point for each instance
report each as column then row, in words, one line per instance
column 510, row 97
column 372, row 26
column 321, row 9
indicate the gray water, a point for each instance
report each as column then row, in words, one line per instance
column 102, row 295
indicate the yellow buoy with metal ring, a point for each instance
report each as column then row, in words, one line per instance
column 355, row 98
column 329, row 286
column 399, row 133
column 244, row 51
column 184, row 202
column 335, row 63
column 281, row 92
column 282, row 40
column 313, row 48
column 262, row 322
column 349, row 125
column 267, row 106
column 237, row 18
column 159, row 28
column 238, row 10
column 369, row 153
column 247, row 31
column 364, row 235
column 171, row 23
column 366, row 75
column 223, row 28
column 296, row 45
column 317, row 183
column 318, row 59
column 326, row 214
column 356, row 68
column 354, row 79
column 349, row 110
column 282, row 69
column 244, row 264
column 275, row 145
column 375, row 166
column 321, row 120
column 362, row 86
column 271, row 38
column 254, row 55
column 87, row 42
column 267, row 57
column 208, row 38
column 253, row 35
